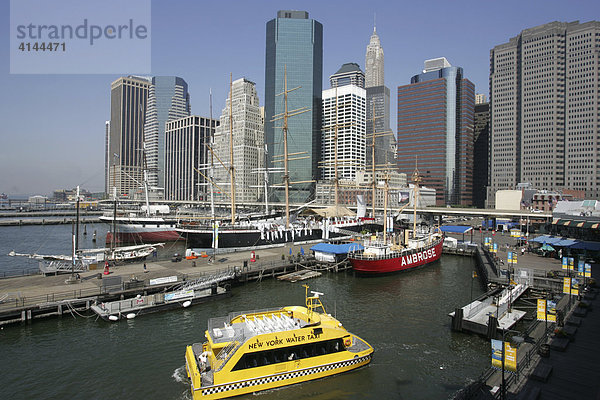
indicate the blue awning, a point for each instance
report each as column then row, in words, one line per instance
column 337, row 248
column 548, row 239
column 565, row 243
column 582, row 245
column 456, row 228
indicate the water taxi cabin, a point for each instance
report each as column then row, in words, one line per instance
column 253, row 351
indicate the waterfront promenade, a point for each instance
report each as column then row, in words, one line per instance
column 27, row 291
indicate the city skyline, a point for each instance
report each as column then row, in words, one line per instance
column 54, row 126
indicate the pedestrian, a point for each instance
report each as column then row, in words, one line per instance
column 522, row 251
column 145, row 269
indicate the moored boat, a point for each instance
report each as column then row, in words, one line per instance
column 381, row 258
column 141, row 230
column 259, row 350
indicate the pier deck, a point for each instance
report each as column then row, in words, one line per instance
column 28, row 297
column 476, row 315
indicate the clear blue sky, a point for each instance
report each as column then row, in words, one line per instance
column 52, row 129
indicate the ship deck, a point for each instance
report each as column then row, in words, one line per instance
column 252, row 324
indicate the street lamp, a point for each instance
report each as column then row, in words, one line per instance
column 518, row 340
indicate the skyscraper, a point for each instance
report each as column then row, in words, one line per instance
column 294, row 42
column 374, row 62
column 378, row 105
column 344, row 117
column 128, row 102
column 106, row 156
column 186, row 154
column 348, row 74
column 248, row 143
column 481, row 153
column 435, row 122
column 168, row 99
column 544, row 109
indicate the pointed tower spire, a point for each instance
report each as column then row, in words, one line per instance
column 374, row 60
column 374, row 23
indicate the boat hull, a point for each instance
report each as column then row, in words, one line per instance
column 290, row 377
column 144, row 236
column 404, row 262
column 141, row 230
column 249, row 238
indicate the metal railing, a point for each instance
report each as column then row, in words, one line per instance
column 15, row 273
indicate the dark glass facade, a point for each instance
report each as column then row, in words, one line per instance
column 128, row 104
column 378, row 121
column 170, row 101
column 481, row 153
column 435, row 123
column 296, row 42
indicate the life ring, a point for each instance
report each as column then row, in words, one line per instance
column 348, row 341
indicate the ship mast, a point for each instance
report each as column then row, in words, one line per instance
column 212, row 162
column 373, row 166
column 416, row 179
column 286, row 114
column 385, row 207
column 286, row 175
column 373, row 183
column 231, row 169
column 335, row 168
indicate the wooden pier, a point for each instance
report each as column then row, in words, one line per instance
column 95, row 288
column 299, row 275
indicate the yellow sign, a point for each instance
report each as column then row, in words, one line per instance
column 570, row 286
column 496, row 353
column 510, row 357
column 542, row 305
column 541, row 309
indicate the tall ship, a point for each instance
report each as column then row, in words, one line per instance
column 381, row 256
column 267, row 229
column 148, row 224
column 155, row 225
column 259, row 350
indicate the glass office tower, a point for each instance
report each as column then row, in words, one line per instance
column 168, row 99
column 435, row 123
column 295, row 42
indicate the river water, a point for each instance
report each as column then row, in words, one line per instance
column 403, row 316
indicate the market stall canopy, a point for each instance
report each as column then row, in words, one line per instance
column 332, row 211
column 337, row 248
column 564, row 242
column 456, row 229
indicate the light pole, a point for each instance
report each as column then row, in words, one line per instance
column 517, row 339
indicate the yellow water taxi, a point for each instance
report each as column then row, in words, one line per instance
column 253, row 351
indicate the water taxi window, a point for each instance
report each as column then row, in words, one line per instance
column 275, row 356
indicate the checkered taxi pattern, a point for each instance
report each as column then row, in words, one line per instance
column 282, row 377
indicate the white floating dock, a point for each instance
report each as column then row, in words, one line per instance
column 476, row 315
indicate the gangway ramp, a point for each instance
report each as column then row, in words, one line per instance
column 475, row 317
